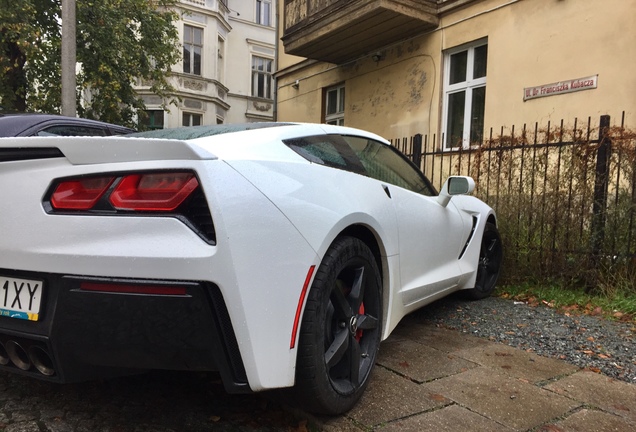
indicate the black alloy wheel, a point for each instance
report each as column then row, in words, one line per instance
column 341, row 329
column 490, row 258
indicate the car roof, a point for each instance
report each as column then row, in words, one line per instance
column 25, row 124
column 279, row 129
column 194, row 132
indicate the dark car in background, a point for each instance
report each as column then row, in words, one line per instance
column 31, row 124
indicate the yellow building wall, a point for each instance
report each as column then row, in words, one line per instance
column 530, row 43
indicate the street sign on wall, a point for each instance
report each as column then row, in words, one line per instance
column 560, row 87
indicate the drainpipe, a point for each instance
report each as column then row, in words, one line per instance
column 275, row 111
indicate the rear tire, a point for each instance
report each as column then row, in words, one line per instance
column 489, row 266
column 341, row 329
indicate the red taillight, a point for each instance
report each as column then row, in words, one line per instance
column 159, row 191
column 153, row 192
column 80, row 194
column 133, row 289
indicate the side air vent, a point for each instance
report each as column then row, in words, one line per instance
column 18, row 154
column 235, row 362
column 470, row 237
column 196, row 211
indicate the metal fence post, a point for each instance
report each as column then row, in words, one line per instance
column 417, row 150
column 600, row 187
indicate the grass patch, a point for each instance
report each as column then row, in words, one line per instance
column 618, row 305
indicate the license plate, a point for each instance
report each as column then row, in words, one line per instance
column 20, row 298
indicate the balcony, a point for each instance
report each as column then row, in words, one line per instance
column 337, row 31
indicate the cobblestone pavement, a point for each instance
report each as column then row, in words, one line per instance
column 153, row 402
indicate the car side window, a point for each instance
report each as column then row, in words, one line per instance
column 385, row 163
column 327, row 150
column 72, row 130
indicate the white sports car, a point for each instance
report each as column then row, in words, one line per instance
column 277, row 254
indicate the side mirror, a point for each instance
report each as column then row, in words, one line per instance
column 455, row 185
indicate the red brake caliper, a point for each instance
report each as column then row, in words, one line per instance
column 359, row 331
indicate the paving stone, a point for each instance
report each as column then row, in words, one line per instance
column 30, row 426
column 46, row 414
column 485, row 387
column 420, row 362
column 390, row 396
column 506, row 400
column 591, row 421
column 436, row 337
column 599, row 390
column 337, row 424
column 57, row 425
column 516, row 362
column 449, row 419
column 23, row 415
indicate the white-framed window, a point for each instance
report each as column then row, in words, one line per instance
column 334, row 105
column 191, row 119
column 220, row 65
column 264, row 12
column 192, row 49
column 262, row 77
column 465, row 94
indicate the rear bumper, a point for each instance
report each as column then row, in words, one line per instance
column 85, row 335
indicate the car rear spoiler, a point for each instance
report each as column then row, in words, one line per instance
column 94, row 150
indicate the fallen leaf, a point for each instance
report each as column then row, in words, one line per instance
column 437, row 397
column 503, row 354
column 593, row 369
column 302, row 426
column 404, row 364
column 550, row 428
column 604, row 356
column 591, row 339
column 215, row 418
column 621, row 407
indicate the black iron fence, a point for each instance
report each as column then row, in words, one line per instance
column 565, row 195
